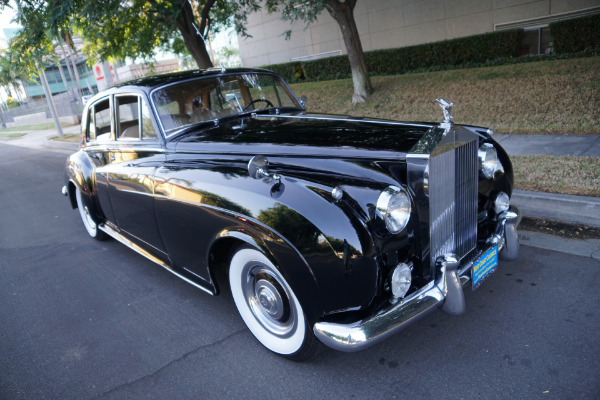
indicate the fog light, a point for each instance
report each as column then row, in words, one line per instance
column 502, row 203
column 400, row 281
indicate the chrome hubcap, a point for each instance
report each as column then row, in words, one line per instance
column 268, row 300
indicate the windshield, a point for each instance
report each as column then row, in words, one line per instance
column 206, row 99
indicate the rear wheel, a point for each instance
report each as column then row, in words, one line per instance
column 88, row 220
column 269, row 307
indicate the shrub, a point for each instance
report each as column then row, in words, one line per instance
column 439, row 55
column 578, row 34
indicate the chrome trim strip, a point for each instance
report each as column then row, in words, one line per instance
column 419, row 156
column 120, row 238
column 343, row 119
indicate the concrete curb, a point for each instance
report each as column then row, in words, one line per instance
column 583, row 210
column 577, row 247
column 550, row 145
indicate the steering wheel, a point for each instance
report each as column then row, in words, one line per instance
column 256, row 101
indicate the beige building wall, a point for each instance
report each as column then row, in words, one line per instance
column 386, row 24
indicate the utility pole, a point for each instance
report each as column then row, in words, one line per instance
column 50, row 101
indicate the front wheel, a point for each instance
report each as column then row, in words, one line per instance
column 269, row 307
column 88, row 221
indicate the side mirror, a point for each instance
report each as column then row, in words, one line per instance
column 303, row 100
column 257, row 167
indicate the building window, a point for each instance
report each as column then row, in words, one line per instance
column 536, row 40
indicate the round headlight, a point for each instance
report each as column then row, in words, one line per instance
column 394, row 206
column 488, row 159
column 502, row 203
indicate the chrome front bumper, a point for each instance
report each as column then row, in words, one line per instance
column 445, row 292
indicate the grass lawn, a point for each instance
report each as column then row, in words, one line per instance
column 559, row 96
column 10, row 135
column 32, row 127
column 70, row 137
column 557, row 174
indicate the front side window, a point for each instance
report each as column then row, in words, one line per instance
column 206, row 99
column 128, row 117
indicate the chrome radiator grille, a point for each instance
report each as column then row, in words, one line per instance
column 453, row 179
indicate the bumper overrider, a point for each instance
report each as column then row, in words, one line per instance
column 445, row 292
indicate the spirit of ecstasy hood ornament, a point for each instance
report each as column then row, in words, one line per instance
column 446, row 107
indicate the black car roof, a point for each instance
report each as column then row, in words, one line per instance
column 163, row 79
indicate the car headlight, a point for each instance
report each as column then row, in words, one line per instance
column 502, row 203
column 394, row 206
column 488, row 159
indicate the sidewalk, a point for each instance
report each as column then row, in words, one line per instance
column 37, row 139
column 551, row 145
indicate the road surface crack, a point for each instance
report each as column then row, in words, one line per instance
column 184, row 357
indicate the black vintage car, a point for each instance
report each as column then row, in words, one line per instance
column 327, row 228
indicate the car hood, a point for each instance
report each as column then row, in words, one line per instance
column 304, row 134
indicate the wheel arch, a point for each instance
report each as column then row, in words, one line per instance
column 80, row 176
column 298, row 273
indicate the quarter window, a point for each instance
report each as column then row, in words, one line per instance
column 148, row 131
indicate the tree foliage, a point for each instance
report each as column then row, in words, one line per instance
column 135, row 28
column 118, row 29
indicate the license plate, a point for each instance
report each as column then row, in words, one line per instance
column 484, row 266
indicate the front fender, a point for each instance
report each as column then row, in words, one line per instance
column 331, row 236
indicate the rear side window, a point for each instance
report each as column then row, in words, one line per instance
column 100, row 121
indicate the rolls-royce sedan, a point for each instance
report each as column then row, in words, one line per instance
column 327, row 228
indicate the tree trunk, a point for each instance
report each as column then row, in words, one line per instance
column 75, row 72
column 26, row 90
column 69, row 70
column 343, row 13
column 64, row 79
column 50, row 101
column 190, row 34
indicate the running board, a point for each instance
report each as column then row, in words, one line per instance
column 117, row 236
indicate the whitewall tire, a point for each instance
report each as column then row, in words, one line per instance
column 269, row 307
column 86, row 217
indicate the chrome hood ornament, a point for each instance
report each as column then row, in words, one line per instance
column 446, row 107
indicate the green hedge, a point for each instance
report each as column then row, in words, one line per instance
column 572, row 38
column 439, row 55
column 578, row 34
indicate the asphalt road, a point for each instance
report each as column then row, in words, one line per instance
column 81, row 319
